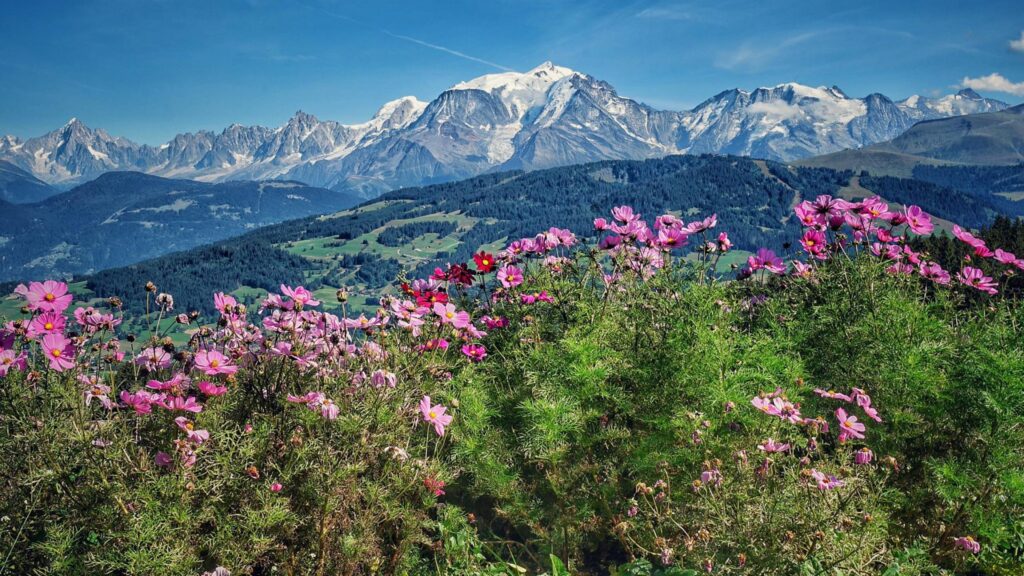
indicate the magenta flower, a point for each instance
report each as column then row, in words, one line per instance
column 59, row 351
column 222, row 302
column 967, row 544
column 46, row 323
column 975, row 278
column 1004, row 257
column 848, row 425
column 276, row 487
column 48, row 296
column 767, row 260
column 918, row 221
column 625, row 214
column 164, row 460
column 179, row 404
column 194, row 436
column 435, row 414
column 510, row 276
column 141, row 401
column 211, row 389
column 475, row 352
column 814, row 244
column 935, row 273
column 771, row 445
column 212, row 363
column 863, row 456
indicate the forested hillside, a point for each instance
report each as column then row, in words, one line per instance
column 416, row 229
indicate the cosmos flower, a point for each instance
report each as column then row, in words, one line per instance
column 48, row 296
column 212, row 363
column 59, row 351
column 435, row 414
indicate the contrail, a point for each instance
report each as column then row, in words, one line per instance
column 424, row 43
column 447, row 50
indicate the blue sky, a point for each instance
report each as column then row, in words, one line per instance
column 148, row 69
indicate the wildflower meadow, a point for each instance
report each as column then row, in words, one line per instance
column 627, row 405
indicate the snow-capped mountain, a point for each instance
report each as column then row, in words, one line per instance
column 545, row 117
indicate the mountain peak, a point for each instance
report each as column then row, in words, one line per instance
column 969, row 93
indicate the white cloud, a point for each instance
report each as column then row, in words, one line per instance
column 994, row 82
column 777, row 109
column 1018, row 44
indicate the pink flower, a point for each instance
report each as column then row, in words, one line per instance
column 99, row 392
column 328, row 409
column 918, row 221
column 935, row 273
column 967, row 544
column 153, row 359
column 211, row 389
column 48, row 296
column 450, row 315
column 9, row 360
column 141, row 401
column 849, row 425
column 814, row 244
column 300, row 296
column 177, row 403
column 46, row 323
column 671, row 238
column 195, row 436
column 767, row 260
column 435, row 414
column 475, row 352
column 625, row 214
column 276, row 487
column 383, row 379
column 765, row 405
column 832, row 394
column 510, row 276
column 222, row 302
column 434, row 485
column 164, row 460
column 978, row 244
column 863, row 456
column 770, row 445
column 212, row 363
column 826, row 481
column 975, row 278
column 59, row 351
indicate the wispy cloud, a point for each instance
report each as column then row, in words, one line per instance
column 994, row 82
column 666, row 13
column 757, row 53
column 412, row 40
column 1018, row 44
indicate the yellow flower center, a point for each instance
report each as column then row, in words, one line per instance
column 449, row 314
column 433, row 414
column 49, row 297
column 8, row 361
column 485, row 262
column 55, row 352
column 214, row 363
column 48, row 325
column 189, row 426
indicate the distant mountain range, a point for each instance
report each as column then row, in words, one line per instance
column 124, row 217
column 994, row 138
column 548, row 116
